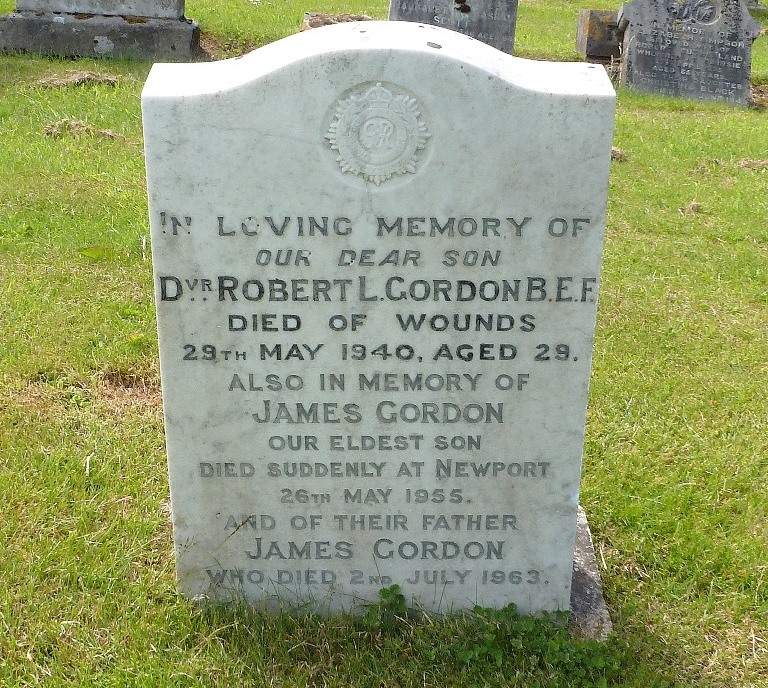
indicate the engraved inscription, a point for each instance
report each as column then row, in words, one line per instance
column 698, row 49
column 490, row 21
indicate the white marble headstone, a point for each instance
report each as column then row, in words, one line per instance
column 377, row 254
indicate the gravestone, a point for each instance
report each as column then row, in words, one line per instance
column 490, row 21
column 597, row 35
column 376, row 252
column 147, row 29
column 697, row 49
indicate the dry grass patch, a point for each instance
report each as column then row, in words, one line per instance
column 76, row 127
column 314, row 20
column 76, row 78
column 215, row 48
column 760, row 96
column 118, row 393
column 692, row 208
column 134, row 393
column 747, row 164
column 714, row 164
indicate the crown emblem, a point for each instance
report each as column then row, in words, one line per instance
column 378, row 94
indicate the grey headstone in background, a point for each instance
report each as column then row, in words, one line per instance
column 697, row 49
column 145, row 29
column 489, row 21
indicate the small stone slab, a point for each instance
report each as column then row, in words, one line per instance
column 73, row 35
column 697, row 49
column 159, row 9
column 490, row 21
column 597, row 34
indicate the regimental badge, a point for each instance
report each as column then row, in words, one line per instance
column 378, row 134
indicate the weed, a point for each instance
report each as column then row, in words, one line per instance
column 388, row 613
column 499, row 636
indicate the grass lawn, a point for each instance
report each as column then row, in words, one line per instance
column 676, row 460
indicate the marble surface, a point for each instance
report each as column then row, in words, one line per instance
column 377, row 254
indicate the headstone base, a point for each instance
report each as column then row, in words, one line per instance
column 86, row 35
column 589, row 613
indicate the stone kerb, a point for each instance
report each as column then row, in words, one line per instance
column 159, row 9
column 146, row 29
column 377, row 252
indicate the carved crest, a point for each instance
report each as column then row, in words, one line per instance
column 378, row 133
column 694, row 11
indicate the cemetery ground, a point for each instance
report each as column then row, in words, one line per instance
column 675, row 461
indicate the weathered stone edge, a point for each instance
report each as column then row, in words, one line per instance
column 78, row 35
column 589, row 613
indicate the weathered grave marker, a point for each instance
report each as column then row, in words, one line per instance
column 377, row 251
column 100, row 28
column 490, row 21
column 698, row 49
column 597, row 35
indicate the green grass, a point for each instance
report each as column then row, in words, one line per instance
column 675, row 460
